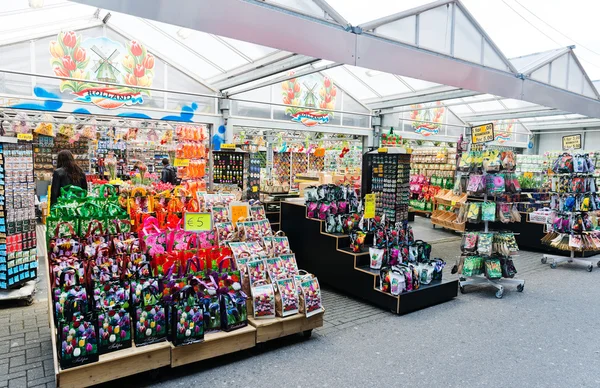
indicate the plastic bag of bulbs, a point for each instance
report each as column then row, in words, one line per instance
column 21, row 124
column 89, row 129
column 67, row 127
column 45, row 125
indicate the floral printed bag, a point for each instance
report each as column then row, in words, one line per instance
column 76, row 335
column 150, row 316
column 187, row 318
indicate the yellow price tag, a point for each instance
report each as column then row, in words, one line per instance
column 254, row 189
column 453, row 203
column 369, row 206
column 197, row 222
column 382, row 150
column 228, row 146
column 25, row 136
column 529, row 195
column 181, row 162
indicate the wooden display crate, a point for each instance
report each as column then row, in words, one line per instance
column 214, row 345
column 272, row 328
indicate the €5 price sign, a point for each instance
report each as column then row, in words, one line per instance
column 197, row 222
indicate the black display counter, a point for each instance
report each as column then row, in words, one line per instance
column 329, row 257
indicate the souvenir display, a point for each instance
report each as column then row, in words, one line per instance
column 569, row 221
column 18, row 261
column 389, row 181
column 487, row 172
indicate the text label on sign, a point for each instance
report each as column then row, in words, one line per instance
column 369, row 206
column 482, row 133
column 197, row 222
column 572, row 142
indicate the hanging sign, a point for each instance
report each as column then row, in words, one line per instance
column 181, row 162
column 482, row 133
column 238, row 210
column 197, row 222
column 228, row 146
column 572, row 142
column 369, row 206
column 25, row 136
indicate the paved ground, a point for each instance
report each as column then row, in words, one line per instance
column 546, row 336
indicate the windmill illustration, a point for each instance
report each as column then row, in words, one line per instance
column 104, row 69
column 310, row 99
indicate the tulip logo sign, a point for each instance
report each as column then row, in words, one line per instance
column 300, row 98
column 102, row 59
column 427, row 119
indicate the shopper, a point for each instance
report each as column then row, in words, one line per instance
column 67, row 173
column 169, row 173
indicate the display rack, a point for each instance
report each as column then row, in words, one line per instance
column 330, row 258
column 481, row 279
column 559, row 182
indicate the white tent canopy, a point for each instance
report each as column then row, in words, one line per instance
column 238, row 48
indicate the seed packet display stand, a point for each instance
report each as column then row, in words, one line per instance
column 568, row 259
column 481, row 279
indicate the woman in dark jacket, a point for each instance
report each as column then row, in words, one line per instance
column 67, row 173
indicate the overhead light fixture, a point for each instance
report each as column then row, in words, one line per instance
column 184, row 33
column 36, row 3
column 106, row 18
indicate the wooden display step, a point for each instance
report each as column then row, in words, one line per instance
column 114, row 365
column 329, row 257
column 214, row 345
column 269, row 329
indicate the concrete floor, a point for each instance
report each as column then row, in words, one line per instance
column 546, row 336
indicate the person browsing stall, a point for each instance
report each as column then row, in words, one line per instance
column 67, row 173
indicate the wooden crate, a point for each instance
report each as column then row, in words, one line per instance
column 115, row 365
column 214, row 345
column 272, row 328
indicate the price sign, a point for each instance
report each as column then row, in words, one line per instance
column 369, row 206
column 482, row 133
column 181, row 162
column 197, row 222
column 382, row 150
column 238, row 210
column 25, row 136
column 572, row 142
column 228, row 146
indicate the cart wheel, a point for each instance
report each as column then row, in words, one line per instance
column 500, row 294
column 590, row 268
column 598, row 263
column 553, row 265
column 462, row 289
column 29, row 301
column 307, row 333
column 520, row 287
column 544, row 260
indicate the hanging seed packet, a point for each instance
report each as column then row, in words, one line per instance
column 287, row 301
column 256, row 271
column 469, row 242
column 281, row 246
column 488, row 211
column 575, row 241
column 484, row 245
column 473, row 212
column 473, row 266
column 276, row 269
column 310, row 301
column 289, row 262
column 258, row 212
column 263, row 301
column 493, row 269
column 376, row 257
